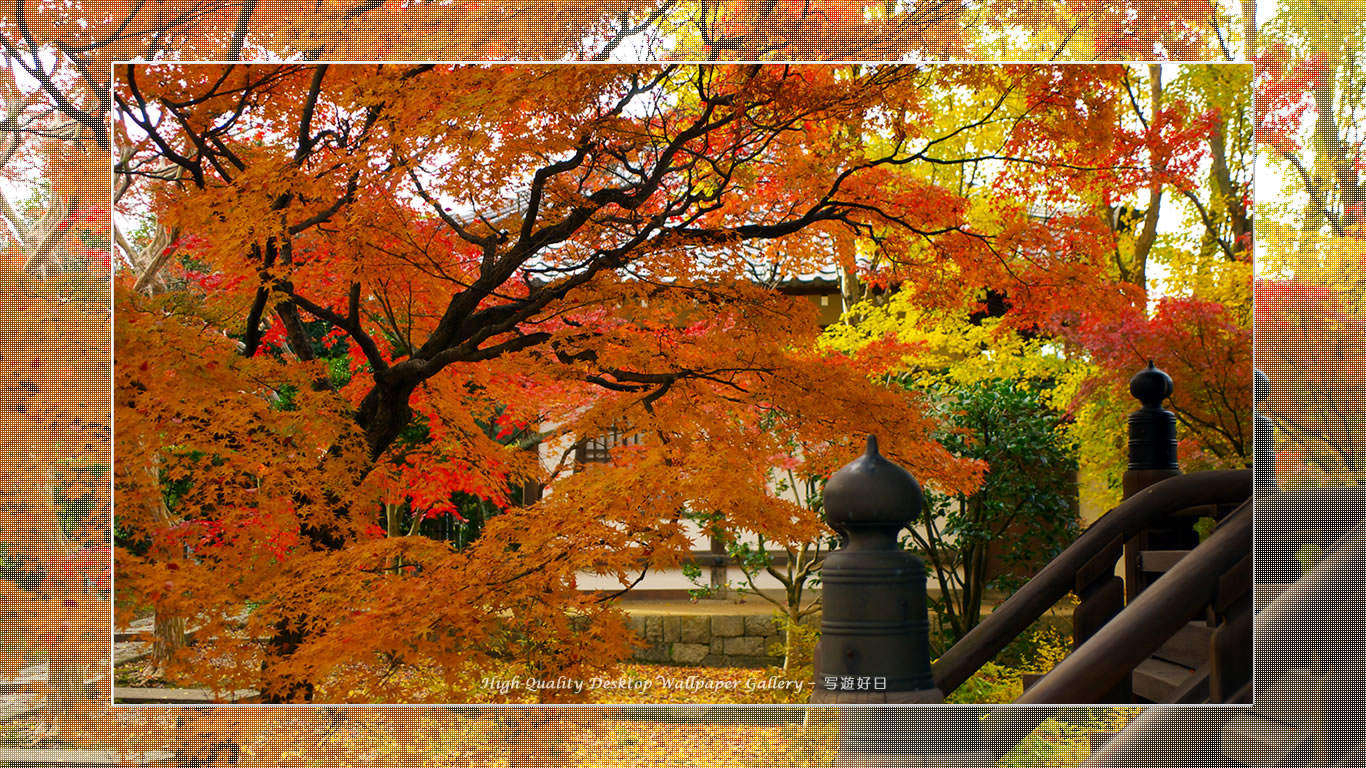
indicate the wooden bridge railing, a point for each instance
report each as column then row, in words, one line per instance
column 1096, row 550
column 1219, row 571
column 1307, row 627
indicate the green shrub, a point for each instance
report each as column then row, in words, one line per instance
column 992, row 684
column 1036, row 650
column 1064, row 742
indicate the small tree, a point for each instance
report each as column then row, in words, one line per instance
column 798, row 571
column 1026, row 493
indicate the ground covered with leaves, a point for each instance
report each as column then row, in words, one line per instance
column 997, row 682
column 630, row 684
column 603, row 737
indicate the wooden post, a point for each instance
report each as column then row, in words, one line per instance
column 1152, row 432
column 1263, row 438
column 912, row 737
column 1101, row 592
column 719, row 580
column 1152, row 459
column 875, row 616
column 874, row 646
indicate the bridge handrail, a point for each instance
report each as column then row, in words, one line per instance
column 1156, row 614
column 1135, row 514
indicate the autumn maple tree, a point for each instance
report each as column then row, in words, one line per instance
column 88, row 39
column 54, row 502
column 570, row 249
column 37, row 34
column 53, row 558
column 1176, row 265
column 1310, row 316
column 63, row 54
column 1199, row 326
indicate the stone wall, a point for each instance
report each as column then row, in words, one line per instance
column 707, row 640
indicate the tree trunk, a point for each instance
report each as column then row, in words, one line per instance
column 383, row 414
column 1233, row 205
column 790, row 638
column 279, row 686
column 168, row 631
column 65, row 670
column 168, row 639
column 65, row 673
